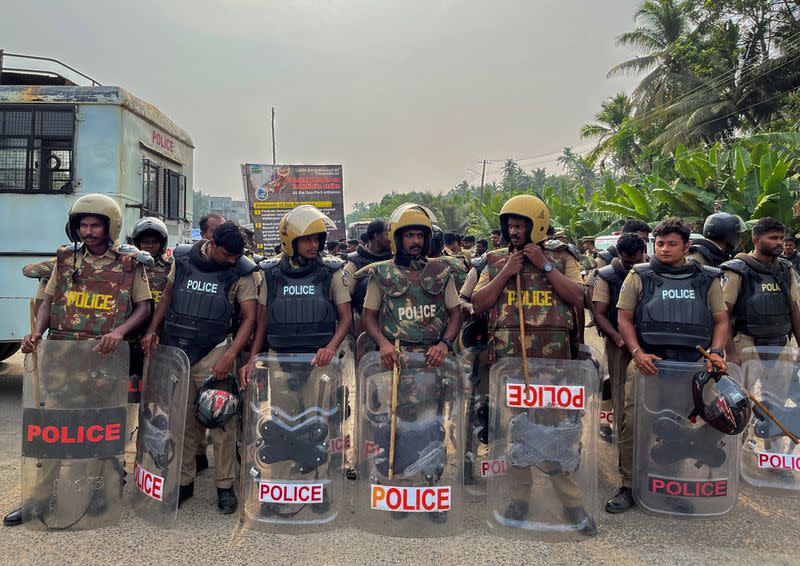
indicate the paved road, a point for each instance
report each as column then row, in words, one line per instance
column 761, row 529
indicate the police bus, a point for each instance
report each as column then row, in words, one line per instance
column 60, row 140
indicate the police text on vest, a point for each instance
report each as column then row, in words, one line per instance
column 204, row 286
column 677, row 294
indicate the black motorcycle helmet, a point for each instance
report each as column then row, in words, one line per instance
column 724, row 227
column 724, row 405
column 216, row 401
column 437, row 241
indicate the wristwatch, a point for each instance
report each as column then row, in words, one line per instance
column 718, row 351
column 547, row 267
column 447, row 342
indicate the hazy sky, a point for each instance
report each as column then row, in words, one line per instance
column 407, row 95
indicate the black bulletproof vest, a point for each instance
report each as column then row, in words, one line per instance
column 301, row 316
column 673, row 317
column 763, row 308
column 360, row 260
column 613, row 274
column 199, row 315
column 608, row 255
column 709, row 250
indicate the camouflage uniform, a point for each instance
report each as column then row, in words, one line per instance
column 549, row 324
column 412, row 305
column 459, row 268
column 41, row 271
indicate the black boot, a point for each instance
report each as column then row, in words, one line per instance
column 201, row 462
column 226, row 500
column 185, row 492
column 621, row 502
column 13, row 519
column 580, row 518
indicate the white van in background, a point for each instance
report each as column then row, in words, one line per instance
column 605, row 242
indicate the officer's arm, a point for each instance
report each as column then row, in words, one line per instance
column 721, row 330
column 343, row 325
column 627, row 330
column 161, row 310
column 453, row 323
column 141, row 311
column 261, row 331
column 568, row 290
column 43, row 314
column 600, row 312
column 247, row 321
column 370, row 319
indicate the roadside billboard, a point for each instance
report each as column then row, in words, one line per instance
column 273, row 190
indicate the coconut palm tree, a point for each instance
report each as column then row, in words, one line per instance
column 614, row 131
column 661, row 24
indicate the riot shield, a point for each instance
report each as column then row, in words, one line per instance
column 681, row 466
column 159, row 442
column 291, row 478
column 543, row 443
column 73, row 435
column 410, row 474
column 477, row 468
column 770, row 461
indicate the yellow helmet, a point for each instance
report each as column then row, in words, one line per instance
column 303, row 220
column 409, row 215
column 531, row 208
column 94, row 205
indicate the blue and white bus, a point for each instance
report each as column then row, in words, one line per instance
column 59, row 141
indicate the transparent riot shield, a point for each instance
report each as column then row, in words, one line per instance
column 410, row 474
column 291, row 477
column 159, row 440
column 477, row 468
column 770, row 461
column 543, row 442
column 73, row 435
column 681, row 467
column 346, row 398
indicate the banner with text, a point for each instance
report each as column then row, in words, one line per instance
column 273, row 190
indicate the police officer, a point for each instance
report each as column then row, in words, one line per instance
column 304, row 308
column 722, row 235
column 196, row 309
column 378, row 249
column 631, row 226
column 302, row 274
column 209, row 223
column 96, row 291
column 666, row 308
column 790, row 252
column 552, row 288
column 607, row 287
column 761, row 292
column 497, row 239
column 410, row 297
column 458, row 263
column 588, row 247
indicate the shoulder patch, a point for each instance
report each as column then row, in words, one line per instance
column 332, row 262
column 269, row 263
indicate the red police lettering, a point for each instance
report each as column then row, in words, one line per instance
column 290, row 492
column 683, row 488
column 148, row 483
column 163, row 141
column 607, row 417
column 545, row 396
column 52, row 434
column 371, row 449
column 779, row 461
column 411, row 499
column 492, row 468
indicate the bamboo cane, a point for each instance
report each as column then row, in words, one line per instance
column 395, row 380
column 34, row 357
column 522, row 337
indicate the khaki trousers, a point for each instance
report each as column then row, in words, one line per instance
column 222, row 438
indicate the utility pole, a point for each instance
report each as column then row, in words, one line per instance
column 274, row 161
column 483, row 176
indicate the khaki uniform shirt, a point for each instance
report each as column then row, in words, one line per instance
column 243, row 289
column 572, row 269
column 340, row 293
column 374, row 296
column 732, row 284
column 140, row 290
column 630, row 295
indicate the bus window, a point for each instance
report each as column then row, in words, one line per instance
column 36, row 149
column 163, row 191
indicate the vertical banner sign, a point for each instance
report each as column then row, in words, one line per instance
column 273, row 190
